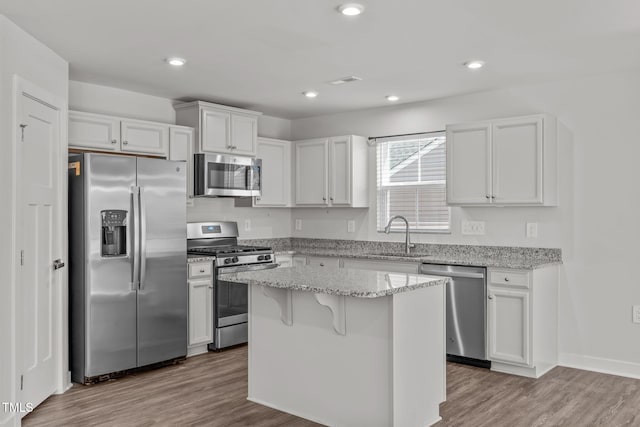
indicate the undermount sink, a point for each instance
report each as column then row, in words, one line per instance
column 400, row 254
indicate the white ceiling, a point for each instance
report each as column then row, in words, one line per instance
column 262, row 54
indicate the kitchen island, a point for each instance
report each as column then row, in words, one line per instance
column 347, row 347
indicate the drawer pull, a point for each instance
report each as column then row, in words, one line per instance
column 490, row 296
column 322, row 264
column 506, row 279
column 202, row 270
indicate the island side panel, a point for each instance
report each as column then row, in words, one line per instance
column 419, row 360
column 307, row 369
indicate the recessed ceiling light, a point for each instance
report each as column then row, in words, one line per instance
column 351, row 9
column 474, row 65
column 392, row 98
column 176, row 62
column 310, row 94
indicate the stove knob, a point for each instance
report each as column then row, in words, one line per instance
column 234, row 259
column 261, row 258
column 227, row 260
column 267, row 257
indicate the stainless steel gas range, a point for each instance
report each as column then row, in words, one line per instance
column 230, row 300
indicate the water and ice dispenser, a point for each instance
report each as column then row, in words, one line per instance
column 114, row 233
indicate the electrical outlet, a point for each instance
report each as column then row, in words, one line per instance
column 351, row 226
column 247, row 225
column 473, row 227
column 298, row 225
column 636, row 314
column 532, row 230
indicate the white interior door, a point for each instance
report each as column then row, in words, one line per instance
column 38, row 162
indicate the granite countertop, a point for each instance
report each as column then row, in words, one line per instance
column 496, row 261
column 199, row 258
column 337, row 281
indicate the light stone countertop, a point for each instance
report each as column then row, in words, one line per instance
column 337, row 281
column 199, row 258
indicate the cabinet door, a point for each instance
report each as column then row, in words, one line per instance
column 517, row 160
column 509, row 326
column 312, row 159
column 181, row 148
column 200, row 311
column 93, row 131
column 340, row 171
column 215, row 132
column 143, row 137
column 299, row 261
column 284, row 260
column 469, row 164
column 276, row 172
column 323, row 261
column 244, row 133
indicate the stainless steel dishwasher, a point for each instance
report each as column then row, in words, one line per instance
column 466, row 312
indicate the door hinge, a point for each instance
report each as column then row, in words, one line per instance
column 21, row 382
column 22, row 126
column 22, row 257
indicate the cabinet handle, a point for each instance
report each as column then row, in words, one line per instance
column 487, row 196
column 210, row 287
column 490, row 296
column 506, row 279
column 493, row 197
column 324, row 199
column 125, row 142
column 322, row 264
column 202, row 270
column 258, row 198
column 331, row 198
column 114, row 141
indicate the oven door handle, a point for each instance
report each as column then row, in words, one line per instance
column 242, row 268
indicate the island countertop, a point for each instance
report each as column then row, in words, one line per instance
column 337, row 281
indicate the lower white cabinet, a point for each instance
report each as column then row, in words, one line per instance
column 200, row 307
column 522, row 316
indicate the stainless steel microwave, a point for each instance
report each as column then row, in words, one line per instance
column 217, row 175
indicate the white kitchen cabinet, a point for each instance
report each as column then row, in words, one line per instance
column 200, row 307
column 94, row 131
column 331, row 172
column 317, row 261
column 522, row 320
column 219, row 128
column 99, row 132
column 284, row 260
column 144, row 137
column 181, row 148
column 275, row 174
column 503, row 162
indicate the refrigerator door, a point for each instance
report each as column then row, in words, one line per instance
column 110, row 314
column 162, row 297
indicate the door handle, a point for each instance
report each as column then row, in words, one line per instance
column 58, row 264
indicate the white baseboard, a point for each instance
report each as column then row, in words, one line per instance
column 599, row 364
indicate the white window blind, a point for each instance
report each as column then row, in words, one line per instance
column 412, row 182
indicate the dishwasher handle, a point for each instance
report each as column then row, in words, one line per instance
column 452, row 274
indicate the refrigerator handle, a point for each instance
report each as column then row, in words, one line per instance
column 135, row 255
column 143, row 238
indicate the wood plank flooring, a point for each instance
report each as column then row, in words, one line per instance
column 211, row 390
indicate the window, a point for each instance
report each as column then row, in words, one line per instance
column 412, row 182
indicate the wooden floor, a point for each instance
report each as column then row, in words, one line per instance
column 211, row 390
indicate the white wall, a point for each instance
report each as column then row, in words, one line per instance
column 595, row 225
column 23, row 55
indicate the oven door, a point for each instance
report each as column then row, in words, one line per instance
column 231, row 176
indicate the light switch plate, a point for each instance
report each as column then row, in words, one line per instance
column 351, row 226
column 636, row 314
column 473, row 227
column 247, row 225
column 532, row 230
column 298, row 225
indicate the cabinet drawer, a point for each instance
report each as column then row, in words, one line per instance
column 200, row 269
column 510, row 278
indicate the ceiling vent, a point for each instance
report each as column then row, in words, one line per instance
column 348, row 79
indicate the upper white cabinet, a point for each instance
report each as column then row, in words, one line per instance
column 331, row 172
column 115, row 134
column 219, row 128
column 181, row 148
column 503, row 162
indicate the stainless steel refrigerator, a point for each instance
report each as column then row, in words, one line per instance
column 127, row 251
